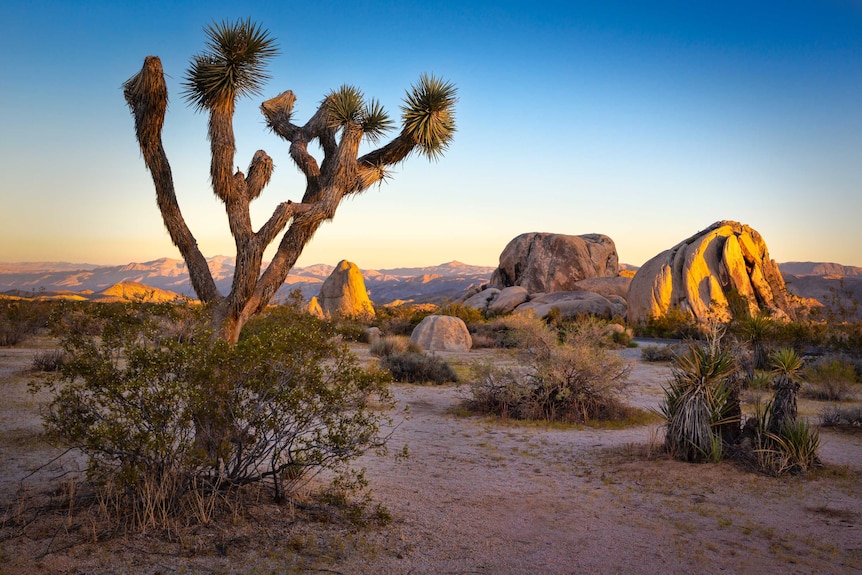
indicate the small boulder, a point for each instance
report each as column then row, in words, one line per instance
column 507, row 300
column 481, row 300
column 442, row 333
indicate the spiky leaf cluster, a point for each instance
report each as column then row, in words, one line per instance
column 232, row 66
column 429, row 114
column 347, row 106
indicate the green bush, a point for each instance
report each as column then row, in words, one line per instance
column 412, row 367
column 168, row 422
column 20, row 319
column 831, row 378
column 401, row 319
column 674, row 324
column 571, row 381
column 471, row 317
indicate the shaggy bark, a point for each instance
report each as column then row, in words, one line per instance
column 784, row 408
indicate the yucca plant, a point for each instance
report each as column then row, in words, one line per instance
column 796, row 448
column 757, row 330
column 785, row 364
column 699, row 400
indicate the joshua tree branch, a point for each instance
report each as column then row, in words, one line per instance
column 147, row 97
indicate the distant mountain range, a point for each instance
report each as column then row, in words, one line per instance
column 837, row 286
column 170, row 276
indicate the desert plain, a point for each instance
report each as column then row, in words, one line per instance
column 473, row 495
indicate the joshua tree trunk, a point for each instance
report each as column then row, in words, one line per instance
column 234, row 67
column 783, row 404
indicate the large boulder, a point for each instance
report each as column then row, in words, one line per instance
column 697, row 275
column 442, row 333
column 343, row 293
column 542, row 262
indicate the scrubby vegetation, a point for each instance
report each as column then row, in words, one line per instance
column 564, row 376
column 175, row 423
column 393, row 345
column 20, row 319
column 415, row 367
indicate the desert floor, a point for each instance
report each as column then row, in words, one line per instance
column 475, row 495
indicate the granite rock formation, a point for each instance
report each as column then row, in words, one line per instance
column 543, row 262
column 343, row 294
column 697, row 275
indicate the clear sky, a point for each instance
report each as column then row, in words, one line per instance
column 645, row 121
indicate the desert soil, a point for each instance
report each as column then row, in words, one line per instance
column 475, row 495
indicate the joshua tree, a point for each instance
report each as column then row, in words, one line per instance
column 786, row 364
column 233, row 66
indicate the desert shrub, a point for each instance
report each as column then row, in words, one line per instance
column 830, row 378
column 572, row 381
column 674, row 324
column 48, row 361
column 351, row 329
column 837, row 416
column 20, row 319
column 658, row 353
column 699, row 400
column 471, row 316
column 585, row 326
column 412, row 367
column 168, row 423
column 401, row 319
column 496, row 333
column 393, row 345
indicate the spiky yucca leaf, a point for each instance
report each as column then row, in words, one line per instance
column 785, row 361
column 375, row 121
column 234, row 64
column 429, row 114
column 347, row 106
column 344, row 106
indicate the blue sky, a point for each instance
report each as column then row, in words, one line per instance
column 644, row 121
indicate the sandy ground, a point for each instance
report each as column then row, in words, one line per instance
column 477, row 495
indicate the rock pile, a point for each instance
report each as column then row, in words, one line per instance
column 542, row 271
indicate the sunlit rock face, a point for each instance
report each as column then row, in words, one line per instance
column 542, row 262
column 697, row 275
column 442, row 333
column 343, row 294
